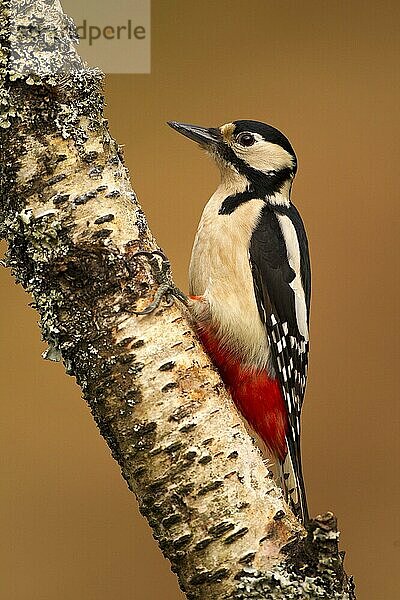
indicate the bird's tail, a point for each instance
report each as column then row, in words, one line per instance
column 292, row 482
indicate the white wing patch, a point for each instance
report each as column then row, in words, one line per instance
column 293, row 253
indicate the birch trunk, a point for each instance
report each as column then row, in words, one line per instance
column 72, row 223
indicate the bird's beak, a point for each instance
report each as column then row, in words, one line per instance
column 202, row 135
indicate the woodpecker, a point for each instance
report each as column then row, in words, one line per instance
column 249, row 286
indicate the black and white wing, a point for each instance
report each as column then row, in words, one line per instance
column 281, row 272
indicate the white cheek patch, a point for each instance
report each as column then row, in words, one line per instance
column 264, row 156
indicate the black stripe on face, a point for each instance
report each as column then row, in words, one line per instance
column 262, row 186
column 231, row 203
column 263, row 183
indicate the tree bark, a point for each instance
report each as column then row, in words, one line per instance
column 73, row 223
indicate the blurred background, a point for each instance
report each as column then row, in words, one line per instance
column 326, row 74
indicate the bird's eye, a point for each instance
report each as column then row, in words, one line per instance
column 245, row 139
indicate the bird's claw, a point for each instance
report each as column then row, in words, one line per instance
column 162, row 275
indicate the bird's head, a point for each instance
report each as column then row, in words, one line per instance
column 258, row 154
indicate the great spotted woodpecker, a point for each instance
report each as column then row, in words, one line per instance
column 250, row 286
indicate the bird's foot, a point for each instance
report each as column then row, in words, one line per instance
column 163, row 277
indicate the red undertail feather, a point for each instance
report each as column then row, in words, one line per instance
column 257, row 396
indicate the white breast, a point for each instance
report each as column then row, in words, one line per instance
column 220, row 272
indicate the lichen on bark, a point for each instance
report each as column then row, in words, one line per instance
column 73, row 224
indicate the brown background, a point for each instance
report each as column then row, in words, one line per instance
column 325, row 73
